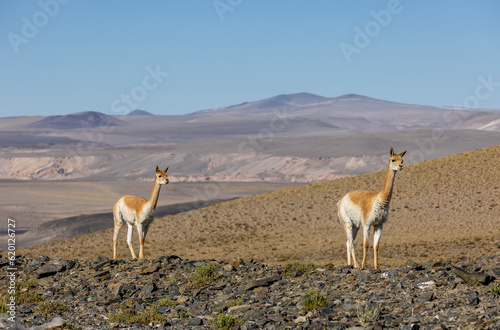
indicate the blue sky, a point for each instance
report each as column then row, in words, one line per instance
column 176, row 57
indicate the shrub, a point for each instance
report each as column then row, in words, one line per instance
column 204, row 275
column 51, row 307
column 313, row 301
column 22, row 295
column 494, row 289
column 128, row 315
column 303, row 268
column 166, row 302
column 226, row 322
column 367, row 312
column 182, row 314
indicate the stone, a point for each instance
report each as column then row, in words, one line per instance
column 261, row 282
column 415, row 266
column 472, row 278
column 50, row 269
column 228, row 268
column 296, row 273
column 101, row 264
column 238, row 309
column 301, row 319
column 148, row 289
column 118, row 290
column 100, row 273
column 494, row 272
column 163, row 309
column 150, row 270
column 236, row 262
column 68, row 295
column 196, row 321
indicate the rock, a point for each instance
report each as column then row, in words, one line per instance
column 415, row 266
column 228, row 268
column 425, row 284
column 100, row 273
column 473, row 279
column 148, row 290
column 118, row 290
column 261, row 282
column 238, row 309
column 494, row 272
column 296, row 273
column 101, row 264
column 424, row 297
column 150, row 270
column 50, row 269
column 411, row 326
column 301, row 319
column 474, row 302
column 196, row 321
column 163, row 309
column 219, row 299
column 236, row 262
column 67, row 296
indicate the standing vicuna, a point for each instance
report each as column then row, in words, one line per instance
column 137, row 212
column 368, row 208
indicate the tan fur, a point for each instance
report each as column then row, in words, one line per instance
column 363, row 209
column 137, row 212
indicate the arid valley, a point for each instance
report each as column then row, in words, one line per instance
column 62, row 174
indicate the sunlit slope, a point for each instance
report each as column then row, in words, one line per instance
column 444, row 208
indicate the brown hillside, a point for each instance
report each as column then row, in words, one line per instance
column 444, row 208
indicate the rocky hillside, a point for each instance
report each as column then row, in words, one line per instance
column 440, row 209
column 169, row 292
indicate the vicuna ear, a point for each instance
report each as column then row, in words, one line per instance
column 157, row 169
column 392, row 152
column 166, row 169
column 403, row 153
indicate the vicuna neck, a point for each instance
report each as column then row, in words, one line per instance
column 386, row 192
column 154, row 195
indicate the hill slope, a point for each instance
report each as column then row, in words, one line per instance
column 444, row 208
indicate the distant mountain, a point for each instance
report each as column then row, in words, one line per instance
column 86, row 119
column 292, row 137
column 319, row 107
column 139, row 113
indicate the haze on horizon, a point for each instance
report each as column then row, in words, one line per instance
column 59, row 57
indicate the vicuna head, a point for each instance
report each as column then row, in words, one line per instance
column 161, row 176
column 396, row 161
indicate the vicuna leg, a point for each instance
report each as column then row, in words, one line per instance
column 129, row 240
column 351, row 233
column 140, row 231
column 118, row 226
column 376, row 238
column 366, row 240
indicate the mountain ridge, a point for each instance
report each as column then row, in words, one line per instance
column 298, row 137
column 85, row 119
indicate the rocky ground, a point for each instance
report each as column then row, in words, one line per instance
column 170, row 292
